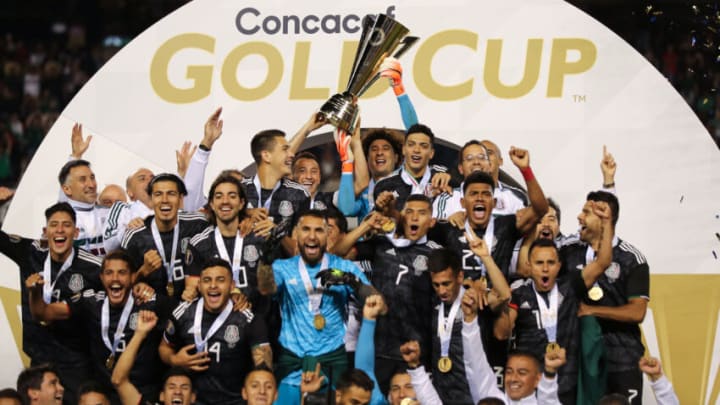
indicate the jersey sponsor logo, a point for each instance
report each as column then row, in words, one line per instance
column 250, row 253
column 391, row 251
column 76, row 283
column 319, row 205
column 232, row 335
column 285, row 208
column 613, row 272
column 100, row 295
column 525, row 305
column 88, row 293
column 132, row 321
column 420, row 264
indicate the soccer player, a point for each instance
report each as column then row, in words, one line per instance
column 158, row 247
column 306, row 171
column 619, row 298
column 40, row 385
column 66, row 272
column 121, row 214
column 543, row 311
column 217, row 344
column 415, row 176
column 111, row 194
column 91, row 393
column 399, row 263
column 260, row 387
column 471, row 158
column 508, row 199
column 312, row 311
column 108, row 318
column 354, row 387
column 225, row 240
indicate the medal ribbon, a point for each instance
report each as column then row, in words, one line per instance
column 161, row 247
column 488, row 237
column 548, row 313
column 258, row 188
column 445, row 325
column 417, row 188
column 217, row 323
column 49, row 285
column 237, row 254
column 590, row 255
column 105, row 323
column 315, row 295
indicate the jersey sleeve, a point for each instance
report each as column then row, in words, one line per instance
column 172, row 332
column 347, row 203
column 638, row 284
column 15, row 247
column 407, row 110
column 194, row 259
column 194, row 179
column 365, row 250
column 257, row 331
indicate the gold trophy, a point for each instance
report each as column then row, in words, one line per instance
column 381, row 36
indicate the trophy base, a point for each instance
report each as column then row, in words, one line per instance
column 341, row 111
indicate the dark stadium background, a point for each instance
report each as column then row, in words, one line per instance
column 49, row 49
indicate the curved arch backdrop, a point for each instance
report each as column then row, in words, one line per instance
column 538, row 74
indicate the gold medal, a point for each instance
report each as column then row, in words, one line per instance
column 110, row 362
column 170, row 289
column 319, row 322
column 551, row 347
column 595, row 293
column 444, row 364
column 388, row 226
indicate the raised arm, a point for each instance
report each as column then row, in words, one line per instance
column 372, row 221
column 595, row 269
column 315, row 121
column 129, row 395
column 500, row 287
column 661, row 386
column 266, row 279
column 365, row 351
column 529, row 216
column 195, row 175
column 608, row 168
column 392, row 69
column 425, row 391
column 40, row 310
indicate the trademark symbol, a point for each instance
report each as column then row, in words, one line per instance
column 578, row 98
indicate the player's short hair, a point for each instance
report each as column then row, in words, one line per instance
column 60, row 207
column 542, row 243
column 32, row 378
column 442, row 259
column 491, row 401
column 67, row 167
column 217, row 262
column 468, row 144
column 167, row 177
column 614, row 399
column 177, row 372
column 355, row 377
column 419, row 197
column 305, row 155
column 312, row 212
column 340, row 220
column 478, row 177
column 262, row 141
column 262, row 367
column 421, row 129
column 222, row 179
column 522, row 353
column 610, row 199
column 556, row 207
column 10, row 393
column 119, row 254
column 384, row 135
column 92, row 386
column 232, row 172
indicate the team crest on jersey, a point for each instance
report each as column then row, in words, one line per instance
column 499, row 204
column 319, row 205
column 132, row 321
column 250, row 253
column 232, row 335
column 184, row 244
column 76, row 283
column 170, row 329
column 188, row 257
column 613, row 272
column 420, row 264
column 285, row 208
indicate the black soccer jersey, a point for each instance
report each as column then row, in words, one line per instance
column 57, row 342
column 148, row 369
column 401, row 276
column 627, row 277
column 452, row 387
column 140, row 240
column 285, row 202
column 203, row 247
column 505, row 237
column 323, row 200
column 530, row 336
column 402, row 189
column 229, row 350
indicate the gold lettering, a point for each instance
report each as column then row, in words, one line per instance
column 298, row 80
column 423, row 61
column 531, row 73
column 272, row 80
column 201, row 75
column 559, row 66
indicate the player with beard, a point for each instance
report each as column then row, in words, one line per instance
column 313, row 312
column 158, row 247
column 543, row 312
column 225, row 240
column 66, row 271
column 108, row 318
column 40, row 385
column 471, row 158
column 399, row 272
column 415, row 176
column 220, row 346
column 278, row 197
column 306, row 171
column 619, row 298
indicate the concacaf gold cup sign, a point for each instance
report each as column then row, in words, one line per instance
column 537, row 74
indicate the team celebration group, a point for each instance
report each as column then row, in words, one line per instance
column 447, row 291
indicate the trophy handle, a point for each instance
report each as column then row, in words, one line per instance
column 406, row 44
